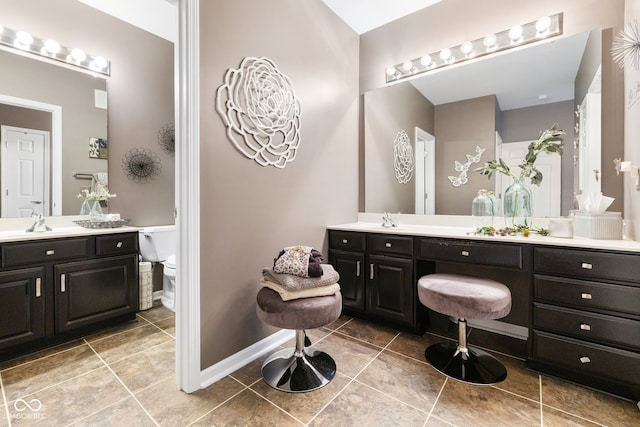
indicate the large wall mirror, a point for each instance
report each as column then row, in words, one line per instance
column 54, row 122
column 487, row 103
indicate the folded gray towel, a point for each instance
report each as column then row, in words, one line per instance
column 297, row 283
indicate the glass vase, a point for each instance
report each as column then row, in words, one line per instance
column 96, row 211
column 517, row 205
column 85, row 208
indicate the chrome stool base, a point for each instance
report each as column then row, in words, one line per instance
column 298, row 371
column 470, row 365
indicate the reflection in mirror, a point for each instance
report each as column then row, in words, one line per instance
column 49, row 115
column 502, row 99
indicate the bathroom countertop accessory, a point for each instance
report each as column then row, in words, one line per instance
column 387, row 221
column 38, row 226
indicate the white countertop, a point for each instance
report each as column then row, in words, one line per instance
column 13, row 229
column 458, row 227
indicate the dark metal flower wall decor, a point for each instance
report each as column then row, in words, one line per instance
column 141, row 165
column 167, row 138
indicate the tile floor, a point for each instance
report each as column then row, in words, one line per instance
column 124, row 377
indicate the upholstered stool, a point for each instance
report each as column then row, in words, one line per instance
column 298, row 369
column 465, row 297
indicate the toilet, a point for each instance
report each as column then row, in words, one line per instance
column 158, row 244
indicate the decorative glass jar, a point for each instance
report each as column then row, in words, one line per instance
column 482, row 210
column 96, row 211
column 517, row 205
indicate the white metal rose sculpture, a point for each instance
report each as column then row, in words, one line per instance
column 403, row 157
column 261, row 112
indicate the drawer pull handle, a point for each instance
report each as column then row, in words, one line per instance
column 371, row 275
column 50, row 252
column 585, row 327
column 119, row 245
column 38, row 287
column 345, row 241
column 587, row 266
column 63, row 283
column 388, row 245
column 585, row 359
column 585, row 295
column 465, row 253
column 357, row 268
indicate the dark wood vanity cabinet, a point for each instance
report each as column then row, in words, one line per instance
column 52, row 290
column 586, row 318
column 376, row 275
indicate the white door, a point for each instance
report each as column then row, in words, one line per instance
column 25, row 172
column 425, row 172
column 546, row 197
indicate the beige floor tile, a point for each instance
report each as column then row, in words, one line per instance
column 127, row 412
column 171, row 407
column 467, row 404
column 148, row 367
column 4, row 422
column 340, row 322
column 39, row 354
column 114, row 330
column 303, row 406
column 248, row 409
column 72, row 400
column 412, row 382
column 359, row 405
column 28, row 378
column 157, row 313
column 553, row 418
column 350, row 355
column 589, row 404
column 129, row 342
column 414, row 345
column 251, row 372
column 168, row 325
column 520, row 380
column 369, row 332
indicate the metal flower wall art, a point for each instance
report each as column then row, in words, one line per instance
column 167, row 138
column 261, row 112
column 141, row 165
column 625, row 48
column 403, row 157
column 462, row 179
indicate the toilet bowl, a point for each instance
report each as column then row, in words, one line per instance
column 158, row 245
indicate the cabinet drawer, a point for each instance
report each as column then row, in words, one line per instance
column 587, row 264
column 347, row 241
column 587, row 326
column 391, row 245
column 15, row 254
column 587, row 294
column 587, row 359
column 471, row 252
column 116, row 244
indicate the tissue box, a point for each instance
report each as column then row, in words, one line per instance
column 606, row 225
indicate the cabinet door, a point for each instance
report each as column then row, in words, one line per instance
column 350, row 267
column 390, row 288
column 22, row 306
column 91, row 291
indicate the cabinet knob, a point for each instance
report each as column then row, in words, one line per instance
column 465, row 253
column 388, row 245
column 345, row 241
column 585, row 327
column 119, row 245
column 585, row 359
column 50, row 252
column 585, row 295
column 587, row 266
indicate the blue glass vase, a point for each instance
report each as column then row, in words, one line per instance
column 517, row 209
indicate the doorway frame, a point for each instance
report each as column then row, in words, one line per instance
column 56, row 144
column 425, row 145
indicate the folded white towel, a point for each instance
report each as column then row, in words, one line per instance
column 319, row 291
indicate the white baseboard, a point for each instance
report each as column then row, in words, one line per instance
column 243, row 357
column 157, row 295
column 508, row 329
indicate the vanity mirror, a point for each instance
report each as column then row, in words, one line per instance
column 61, row 110
column 486, row 103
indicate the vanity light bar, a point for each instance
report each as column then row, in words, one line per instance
column 25, row 42
column 543, row 28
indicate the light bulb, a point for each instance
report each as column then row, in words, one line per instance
column 407, row 66
column 391, row 71
column 52, row 46
column 78, row 55
column 426, row 60
column 445, row 54
column 99, row 63
column 467, row 48
column 490, row 42
column 515, row 34
column 23, row 40
column 1, row 29
column 542, row 26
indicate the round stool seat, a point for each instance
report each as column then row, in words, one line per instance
column 302, row 313
column 464, row 296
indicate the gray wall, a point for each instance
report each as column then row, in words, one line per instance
column 388, row 111
column 250, row 212
column 141, row 95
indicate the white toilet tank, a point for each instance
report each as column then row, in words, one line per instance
column 157, row 243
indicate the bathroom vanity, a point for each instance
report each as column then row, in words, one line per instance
column 65, row 283
column 575, row 301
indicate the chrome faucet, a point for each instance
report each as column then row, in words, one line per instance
column 39, row 225
column 387, row 221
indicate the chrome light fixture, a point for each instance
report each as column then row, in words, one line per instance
column 519, row 35
column 25, row 42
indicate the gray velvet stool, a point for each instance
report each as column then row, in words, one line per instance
column 298, row 369
column 465, row 297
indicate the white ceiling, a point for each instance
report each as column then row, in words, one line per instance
column 365, row 15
